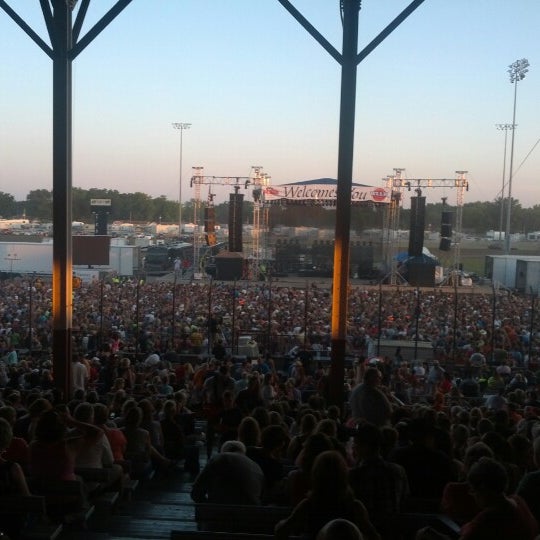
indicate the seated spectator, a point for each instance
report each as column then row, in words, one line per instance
column 12, row 480
column 330, row 498
column 139, row 450
column 329, row 428
column 380, row 485
column 299, row 480
column 340, row 529
column 249, row 432
column 18, row 450
column 308, row 423
column 428, row 469
column 53, row 451
column 501, row 516
column 115, row 436
column 97, row 455
column 151, row 424
column 228, row 418
column 529, row 486
column 274, row 441
column 174, row 440
column 229, row 477
column 25, row 425
column 457, row 501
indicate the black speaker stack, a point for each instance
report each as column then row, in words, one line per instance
column 417, row 226
column 446, row 231
column 236, row 203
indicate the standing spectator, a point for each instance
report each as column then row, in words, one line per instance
column 250, row 398
column 214, row 387
column 79, row 373
column 268, row 392
column 435, row 377
column 368, row 402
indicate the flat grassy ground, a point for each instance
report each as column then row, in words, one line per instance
column 473, row 253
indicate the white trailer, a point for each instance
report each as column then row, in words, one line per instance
column 528, row 276
column 30, row 257
column 26, row 257
column 501, row 269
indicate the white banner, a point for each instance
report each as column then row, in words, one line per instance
column 323, row 194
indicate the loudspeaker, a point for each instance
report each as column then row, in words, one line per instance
column 362, row 259
column 209, row 219
column 229, row 267
column 417, row 225
column 236, row 203
column 210, row 225
column 445, row 244
column 420, row 274
column 446, row 224
column 100, row 223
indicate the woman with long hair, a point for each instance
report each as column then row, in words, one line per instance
column 330, row 498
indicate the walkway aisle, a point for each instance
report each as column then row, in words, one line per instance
column 158, row 506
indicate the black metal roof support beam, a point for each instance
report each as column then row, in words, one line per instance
column 27, row 30
column 48, row 16
column 340, row 282
column 311, row 30
column 79, row 20
column 389, row 29
column 349, row 60
column 62, row 184
column 99, row 27
column 63, row 51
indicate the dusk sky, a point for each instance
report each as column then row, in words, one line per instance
column 259, row 90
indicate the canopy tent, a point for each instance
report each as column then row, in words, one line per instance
column 323, row 192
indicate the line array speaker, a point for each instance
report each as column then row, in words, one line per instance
column 446, row 231
column 236, row 203
column 417, row 225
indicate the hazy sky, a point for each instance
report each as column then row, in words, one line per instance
column 259, row 90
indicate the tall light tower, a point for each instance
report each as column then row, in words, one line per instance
column 505, row 128
column 517, row 72
column 182, row 126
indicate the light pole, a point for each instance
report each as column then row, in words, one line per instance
column 517, row 72
column 505, row 128
column 182, row 126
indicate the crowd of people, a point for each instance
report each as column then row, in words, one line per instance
column 188, row 317
column 458, row 433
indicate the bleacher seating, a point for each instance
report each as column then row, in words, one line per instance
column 30, row 512
column 239, row 518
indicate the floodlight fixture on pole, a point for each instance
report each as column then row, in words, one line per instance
column 517, row 72
column 505, row 128
column 181, row 126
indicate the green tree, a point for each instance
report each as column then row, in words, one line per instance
column 8, row 206
column 39, row 204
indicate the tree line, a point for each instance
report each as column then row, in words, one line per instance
column 477, row 217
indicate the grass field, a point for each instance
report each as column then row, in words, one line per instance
column 473, row 253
